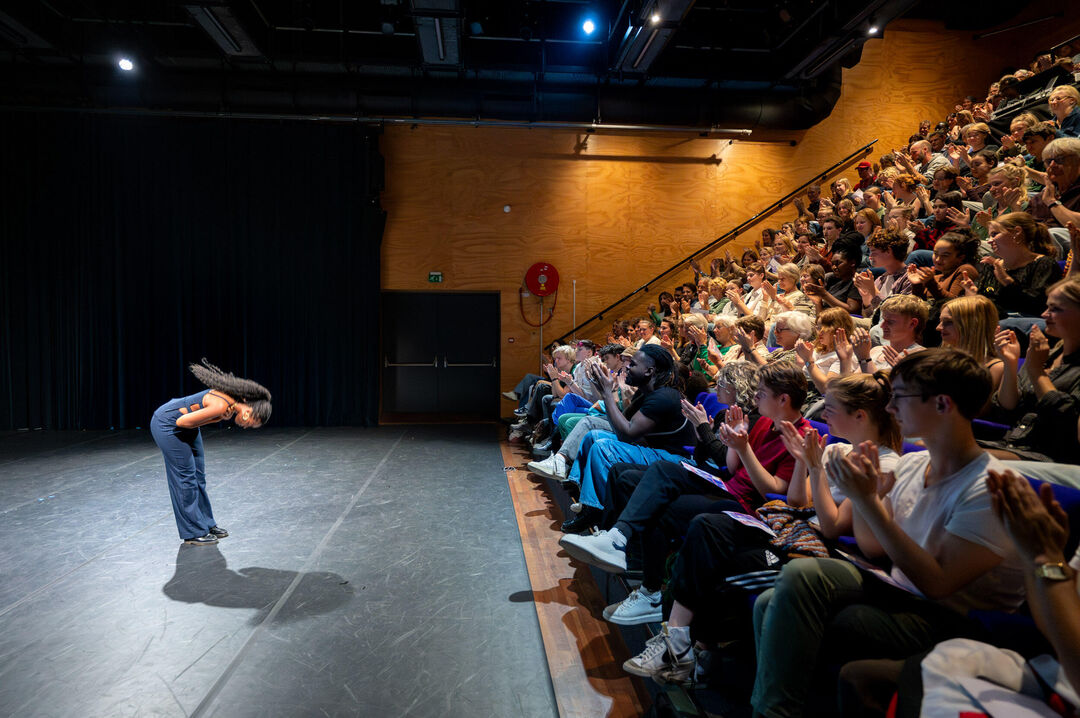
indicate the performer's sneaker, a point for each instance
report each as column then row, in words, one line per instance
column 218, row 532
column 207, row 540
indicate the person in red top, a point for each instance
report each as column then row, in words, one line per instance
column 665, row 496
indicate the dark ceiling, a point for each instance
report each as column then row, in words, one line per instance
column 700, row 64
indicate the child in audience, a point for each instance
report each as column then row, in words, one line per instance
column 903, row 318
column 955, row 256
column 934, row 522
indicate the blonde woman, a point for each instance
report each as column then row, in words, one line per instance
column 1063, row 103
column 970, row 324
column 834, row 326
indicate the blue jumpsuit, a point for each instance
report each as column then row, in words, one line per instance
column 185, row 469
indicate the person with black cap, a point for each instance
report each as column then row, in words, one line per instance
column 652, row 428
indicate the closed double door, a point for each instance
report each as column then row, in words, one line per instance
column 440, row 353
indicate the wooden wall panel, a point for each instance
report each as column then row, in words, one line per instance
column 614, row 213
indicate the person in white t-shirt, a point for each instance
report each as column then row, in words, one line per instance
column 949, row 552
column 961, row 676
column 903, row 318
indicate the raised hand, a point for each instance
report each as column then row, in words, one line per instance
column 1007, row 142
column 1012, row 196
column 958, row 217
column 805, row 351
column 695, row 266
column 768, row 289
column 983, row 218
column 970, row 289
column 789, row 435
column 666, row 343
column 1007, row 346
column 696, row 415
column 715, row 356
column 1049, row 194
column 1035, row 522
column 1037, row 353
column 890, row 355
column 1000, row 272
column 601, row 377
column 703, row 299
column 685, row 305
column 551, row 371
column 696, row 334
column 864, row 282
column 736, row 419
column 743, row 339
column 860, row 340
column 734, row 438
column 965, row 184
column 858, row 474
column 842, row 345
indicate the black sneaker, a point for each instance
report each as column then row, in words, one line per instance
column 207, row 540
column 581, row 522
column 218, row 532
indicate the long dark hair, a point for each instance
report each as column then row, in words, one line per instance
column 251, row 393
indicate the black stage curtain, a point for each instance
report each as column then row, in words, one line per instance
column 131, row 246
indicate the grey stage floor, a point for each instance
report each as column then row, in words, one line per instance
column 373, row 572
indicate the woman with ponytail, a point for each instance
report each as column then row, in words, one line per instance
column 175, row 428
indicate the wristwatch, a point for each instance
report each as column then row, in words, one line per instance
column 1055, row 203
column 1052, row 571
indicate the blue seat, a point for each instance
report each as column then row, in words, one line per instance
column 908, row 447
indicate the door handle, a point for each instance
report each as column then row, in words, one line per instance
column 448, row 364
column 434, row 363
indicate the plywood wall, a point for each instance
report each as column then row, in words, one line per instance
column 614, row 213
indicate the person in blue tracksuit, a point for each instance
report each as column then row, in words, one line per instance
column 175, row 428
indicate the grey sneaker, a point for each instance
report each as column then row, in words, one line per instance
column 636, row 609
column 511, row 395
column 650, row 661
column 605, row 549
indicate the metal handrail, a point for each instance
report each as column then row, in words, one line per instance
column 731, row 234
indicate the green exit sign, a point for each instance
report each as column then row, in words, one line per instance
column 434, row 276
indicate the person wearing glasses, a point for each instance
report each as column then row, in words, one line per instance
column 1063, row 103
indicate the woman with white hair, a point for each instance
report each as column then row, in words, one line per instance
column 790, row 328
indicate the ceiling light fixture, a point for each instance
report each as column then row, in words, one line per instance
column 655, row 18
column 588, row 26
column 125, row 64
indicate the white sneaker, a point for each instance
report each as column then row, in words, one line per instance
column 605, row 549
column 511, row 395
column 637, row 608
column 576, row 507
column 680, row 662
column 660, row 661
column 652, row 660
column 553, row 467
